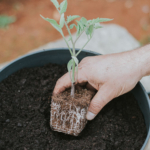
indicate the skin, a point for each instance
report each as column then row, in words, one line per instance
column 111, row 75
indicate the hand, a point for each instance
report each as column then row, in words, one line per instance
column 111, row 75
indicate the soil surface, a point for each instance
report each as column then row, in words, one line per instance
column 25, row 116
column 31, row 31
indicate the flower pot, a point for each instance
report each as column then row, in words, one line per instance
column 61, row 56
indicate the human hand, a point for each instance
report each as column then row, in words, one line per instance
column 111, row 75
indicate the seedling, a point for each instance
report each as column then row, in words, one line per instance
column 82, row 25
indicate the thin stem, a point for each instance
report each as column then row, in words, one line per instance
column 80, row 34
column 73, row 67
column 67, row 44
column 73, row 72
column 72, row 89
column 83, row 47
column 65, row 38
column 69, row 32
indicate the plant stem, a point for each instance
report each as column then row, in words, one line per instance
column 73, row 67
column 69, row 32
column 65, row 38
column 83, row 47
column 72, row 89
column 67, row 43
column 73, row 80
column 80, row 34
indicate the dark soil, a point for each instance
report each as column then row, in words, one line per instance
column 25, row 113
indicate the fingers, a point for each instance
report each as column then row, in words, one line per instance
column 102, row 97
column 64, row 82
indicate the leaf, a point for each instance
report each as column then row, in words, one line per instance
column 95, row 21
column 78, row 29
column 90, row 30
column 69, row 65
column 89, row 21
column 104, row 19
column 72, row 25
column 84, row 20
column 69, row 38
column 80, row 24
column 53, row 23
column 71, row 18
column 55, row 2
column 62, row 20
column 6, row 20
column 100, row 20
column 63, row 6
column 97, row 26
column 75, row 60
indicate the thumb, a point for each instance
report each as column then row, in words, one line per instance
column 102, row 97
column 64, row 82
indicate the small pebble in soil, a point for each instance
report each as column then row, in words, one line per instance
column 23, row 81
column 7, row 120
column 19, row 125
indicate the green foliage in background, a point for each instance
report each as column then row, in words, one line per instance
column 6, row 20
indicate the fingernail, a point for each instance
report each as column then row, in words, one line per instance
column 90, row 116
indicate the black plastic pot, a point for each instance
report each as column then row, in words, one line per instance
column 61, row 56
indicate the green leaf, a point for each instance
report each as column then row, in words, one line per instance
column 71, row 18
column 53, row 23
column 89, row 21
column 75, row 60
column 69, row 38
column 6, row 20
column 69, row 66
column 62, row 20
column 100, row 20
column 63, row 6
column 95, row 21
column 84, row 20
column 55, row 2
column 97, row 26
column 72, row 25
column 80, row 24
column 90, row 30
column 78, row 29
column 104, row 19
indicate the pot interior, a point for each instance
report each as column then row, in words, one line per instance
column 62, row 56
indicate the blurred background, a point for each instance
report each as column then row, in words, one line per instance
column 22, row 29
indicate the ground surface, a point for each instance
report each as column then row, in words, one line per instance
column 25, row 117
column 30, row 31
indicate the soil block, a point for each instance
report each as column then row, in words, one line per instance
column 25, row 117
column 68, row 114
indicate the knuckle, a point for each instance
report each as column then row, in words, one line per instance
column 85, row 59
